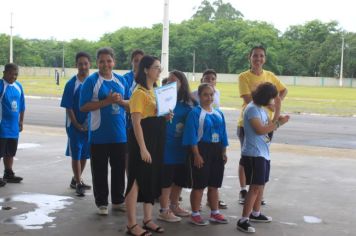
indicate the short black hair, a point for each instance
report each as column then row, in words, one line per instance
column 106, row 51
column 164, row 81
column 137, row 52
column 209, row 71
column 264, row 93
column 258, row 47
column 82, row 54
column 11, row 66
column 204, row 86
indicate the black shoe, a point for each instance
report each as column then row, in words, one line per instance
column 263, row 202
column 261, row 218
column 10, row 177
column 222, row 204
column 80, row 190
column 242, row 196
column 2, row 182
column 245, row 226
column 73, row 184
column 86, row 187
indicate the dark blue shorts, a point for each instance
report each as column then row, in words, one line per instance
column 256, row 170
column 8, row 147
column 174, row 174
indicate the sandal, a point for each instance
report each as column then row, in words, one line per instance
column 129, row 231
column 159, row 229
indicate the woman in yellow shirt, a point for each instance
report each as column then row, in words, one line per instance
column 248, row 82
column 146, row 147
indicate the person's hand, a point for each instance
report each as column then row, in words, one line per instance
column 198, row 161
column 114, row 97
column 169, row 116
column 146, row 156
column 224, row 156
column 20, row 126
column 283, row 119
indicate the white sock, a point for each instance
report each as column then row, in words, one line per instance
column 256, row 213
column 243, row 219
column 244, row 188
column 214, row 212
column 195, row 213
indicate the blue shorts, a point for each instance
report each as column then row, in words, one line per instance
column 256, row 170
column 78, row 147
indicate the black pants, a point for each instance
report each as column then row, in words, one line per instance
column 101, row 155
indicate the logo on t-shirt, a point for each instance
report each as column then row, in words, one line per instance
column 179, row 130
column 215, row 138
column 115, row 108
column 14, row 106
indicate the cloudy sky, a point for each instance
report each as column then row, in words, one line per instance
column 86, row 19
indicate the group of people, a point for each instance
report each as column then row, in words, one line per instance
column 112, row 119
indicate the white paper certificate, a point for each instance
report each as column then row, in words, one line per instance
column 166, row 98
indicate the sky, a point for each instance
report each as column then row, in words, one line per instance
column 87, row 19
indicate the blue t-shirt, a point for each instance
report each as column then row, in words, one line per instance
column 107, row 124
column 130, row 80
column 70, row 100
column 174, row 151
column 12, row 104
column 255, row 145
column 205, row 126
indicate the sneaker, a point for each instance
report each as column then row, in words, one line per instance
column 118, row 207
column 263, row 202
column 242, row 196
column 168, row 216
column 86, row 186
column 103, row 210
column 73, row 184
column 222, row 205
column 261, row 218
column 2, row 182
column 245, row 226
column 198, row 220
column 80, row 190
column 178, row 211
column 218, row 218
column 180, row 199
column 10, row 177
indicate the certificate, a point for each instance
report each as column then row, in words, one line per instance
column 166, row 98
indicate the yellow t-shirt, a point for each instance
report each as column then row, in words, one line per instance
column 248, row 82
column 143, row 101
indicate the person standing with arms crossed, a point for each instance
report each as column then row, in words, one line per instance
column 77, row 123
column 248, row 82
column 12, row 101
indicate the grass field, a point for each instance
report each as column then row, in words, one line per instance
column 321, row 100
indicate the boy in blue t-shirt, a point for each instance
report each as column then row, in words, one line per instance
column 136, row 57
column 255, row 157
column 77, row 123
column 12, row 110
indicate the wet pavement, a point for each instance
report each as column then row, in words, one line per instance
column 311, row 192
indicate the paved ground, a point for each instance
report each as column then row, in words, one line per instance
column 311, row 192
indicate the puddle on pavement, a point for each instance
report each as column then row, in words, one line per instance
column 45, row 205
column 6, row 208
column 312, row 220
column 28, row 145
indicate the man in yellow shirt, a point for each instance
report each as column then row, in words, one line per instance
column 248, row 82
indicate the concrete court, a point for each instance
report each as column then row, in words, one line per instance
column 311, row 192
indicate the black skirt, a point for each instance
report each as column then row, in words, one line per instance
column 147, row 176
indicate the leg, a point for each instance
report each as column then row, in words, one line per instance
column 8, row 162
column 253, row 193
column 9, row 175
column 213, row 198
column 242, row 177
column 99, row 170
column 195, row 199
column 175, row 193
column 77, row 170
column 117, row 163
column 147, row 219
column 164, row 198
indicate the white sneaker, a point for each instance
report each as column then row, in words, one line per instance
column 103, row 210
column 168, row 216
column 119, row 207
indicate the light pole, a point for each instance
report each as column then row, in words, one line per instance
column 342, row 60
column 193, row 78
column 11, row 50
column 165, row 40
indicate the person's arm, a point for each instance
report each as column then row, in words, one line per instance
column 283, row 93
column 74, row 121
column 95, row 105
column 246, row 98
column 198, row 159
column 22, row 115
column 136, row 123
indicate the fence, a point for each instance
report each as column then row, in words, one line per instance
column 222, row 78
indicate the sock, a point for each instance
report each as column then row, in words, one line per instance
column 214, row 212
column 244, row 188
column 256, row 213
column 173, row 206
column 195, row 213
column 164, row 210
column 243, row 219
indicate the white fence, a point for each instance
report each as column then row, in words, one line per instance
column 222, row 78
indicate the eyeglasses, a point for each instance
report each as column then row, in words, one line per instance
column 157, row 68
